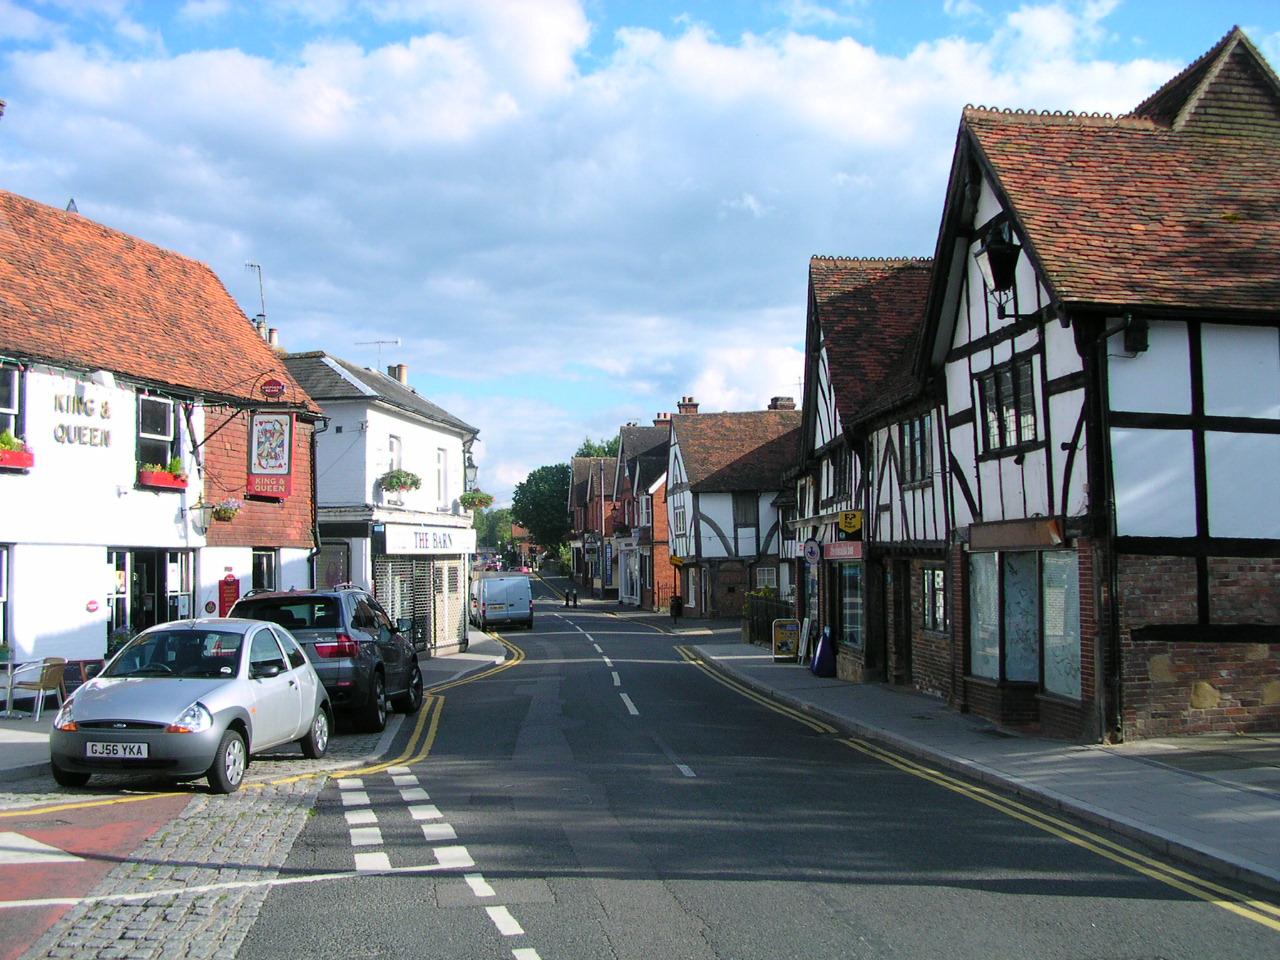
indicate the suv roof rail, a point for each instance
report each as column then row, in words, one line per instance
column 346, row 586
column 256, row 591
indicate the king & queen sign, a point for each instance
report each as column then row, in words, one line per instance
column 271, row 455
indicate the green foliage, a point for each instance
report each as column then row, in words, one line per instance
column 493, row 528
column 9, row 442
column 399, row 480
column 541, row 504
column 599, row 448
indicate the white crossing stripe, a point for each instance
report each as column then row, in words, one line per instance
column 479, row 886
column 631, row 707
column 18, row 848
column 372, row 862
column 354, row 798
column 409, row 794
column 397, row 771
column 525, row 954
column 438, row 831
column 425, row 811
column 504, row 921
column 403, row 780
column 360, row 818
column 366, row 836
column 350, row 783
column 687, row 771
column 453, row 857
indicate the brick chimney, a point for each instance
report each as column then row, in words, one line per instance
column 782, row 403
column 687, row 405
column 662, row 420
column 399, row 372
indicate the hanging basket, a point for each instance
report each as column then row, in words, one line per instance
column 476, row 500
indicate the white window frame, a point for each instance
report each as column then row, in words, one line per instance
column 766, row 578
column 168, row 439
column 11, row 416
column 442, row 477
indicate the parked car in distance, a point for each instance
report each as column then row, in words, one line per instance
column 366, row 662
column 501, row 598
column 192, row 698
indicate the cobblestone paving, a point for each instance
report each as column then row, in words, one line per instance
column 241, row 838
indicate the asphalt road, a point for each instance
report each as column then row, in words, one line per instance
column 603, row 796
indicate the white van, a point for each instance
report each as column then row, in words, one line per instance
column 498, row 597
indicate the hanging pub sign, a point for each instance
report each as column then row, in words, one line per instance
column 273, row 388
column 270, row 455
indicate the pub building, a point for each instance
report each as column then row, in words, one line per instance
column 155, row 453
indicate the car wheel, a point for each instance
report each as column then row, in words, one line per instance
column 411, row 700
column 229, row 763
column 316, row 743
column 373, row 715
column 67, row 778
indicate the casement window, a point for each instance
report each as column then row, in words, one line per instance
column 933, row 599
column 678, row 518
column 158, row 436
column 645, row 518
column 841, row 467
column 746, row 521
column 913, row 442
column 767, row 578
column 10, row 400
column 1007, row 397
column 1024, row 619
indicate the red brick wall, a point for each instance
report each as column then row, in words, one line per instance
column 288, row 523
column 1185, row 687
column 930, row 650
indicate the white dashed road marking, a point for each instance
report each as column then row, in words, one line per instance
column 479, row 886
column 435, row 832
column 504, row 921
column 631, row 707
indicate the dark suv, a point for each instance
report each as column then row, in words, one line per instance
column 363, row 659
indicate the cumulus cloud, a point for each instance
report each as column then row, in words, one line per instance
column 562, row 243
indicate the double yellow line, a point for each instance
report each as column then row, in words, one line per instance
column 418, row 748
column 1266, row 914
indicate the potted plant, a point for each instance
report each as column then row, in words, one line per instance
column 14, row 454
column 476, row 499
column 170, row 476
column 227, row 508
column 117, row 638
column 398, row 479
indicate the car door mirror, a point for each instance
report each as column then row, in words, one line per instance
column 262, row 671
column 404, row 624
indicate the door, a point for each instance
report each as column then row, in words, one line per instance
column 277, row 700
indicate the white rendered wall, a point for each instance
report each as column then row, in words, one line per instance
column 53, row 588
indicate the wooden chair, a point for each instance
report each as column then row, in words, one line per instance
column 49, row 681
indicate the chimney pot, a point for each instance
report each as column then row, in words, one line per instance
column 273, row 337
column 687, row 405
column 399, row 372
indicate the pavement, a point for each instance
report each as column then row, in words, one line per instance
column 1213, row 801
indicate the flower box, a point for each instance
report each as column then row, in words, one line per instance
column 162, row 480
column 16, row 459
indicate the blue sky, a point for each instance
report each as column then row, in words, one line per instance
column 570, row 212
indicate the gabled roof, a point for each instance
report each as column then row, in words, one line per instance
column 748, row 451
column 80, row 295
column 328, row 378
column 1173, row 206
column 867, row 315
column 588, row 474
column 638, row 449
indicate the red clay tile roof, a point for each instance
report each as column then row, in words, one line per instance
column 737, row 451
column 78, row 294
column 1130, row 211
column 869, row 314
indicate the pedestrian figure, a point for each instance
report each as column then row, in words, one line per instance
column 575, row 596
column 677, row 609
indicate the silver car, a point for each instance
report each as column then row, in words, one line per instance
column 189, row 699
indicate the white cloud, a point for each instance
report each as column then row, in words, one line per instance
column 572, row 248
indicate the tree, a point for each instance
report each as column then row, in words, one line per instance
column 541, row 504
column 493, row 527
column 599, row 448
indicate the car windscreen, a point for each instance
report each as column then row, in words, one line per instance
column 179, row 653
column 293, row 613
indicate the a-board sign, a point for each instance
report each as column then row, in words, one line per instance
column 786, row 641
column 77, row 672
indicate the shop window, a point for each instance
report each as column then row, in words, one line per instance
column 10, row 400
column 1025, row 619
column 157, row 430
column 1008, row 406
column 4, row 598
column 913, row 442
column 266, row 563
column 851, row 603
column 933, row 599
